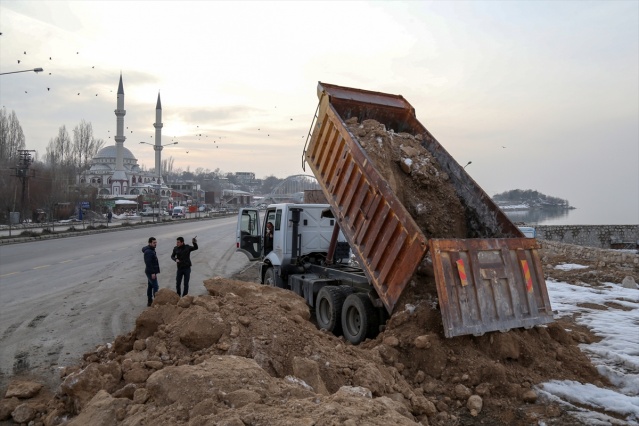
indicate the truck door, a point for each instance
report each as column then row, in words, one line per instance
column 248, row 238
column 270, row 218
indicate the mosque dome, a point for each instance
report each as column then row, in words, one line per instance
column 111, row 152
column 100, row 166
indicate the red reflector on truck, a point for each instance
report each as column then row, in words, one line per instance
column 527, row 278
column 462, row 272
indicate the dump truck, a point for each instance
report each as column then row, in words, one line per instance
column 352, row 258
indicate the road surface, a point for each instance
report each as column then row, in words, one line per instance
column 60, row 298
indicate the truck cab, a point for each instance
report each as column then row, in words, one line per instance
column 301, row 233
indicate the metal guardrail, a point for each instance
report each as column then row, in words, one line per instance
column 61, row 230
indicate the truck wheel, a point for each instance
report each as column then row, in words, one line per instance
column 328, row 308
column 271, row 278
column 359, row 318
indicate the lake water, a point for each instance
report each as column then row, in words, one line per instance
column 595, row 214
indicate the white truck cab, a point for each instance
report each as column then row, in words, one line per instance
column 300, row 231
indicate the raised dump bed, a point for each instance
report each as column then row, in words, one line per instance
column 488, row 278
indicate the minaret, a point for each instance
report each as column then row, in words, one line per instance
column 118, row 180
column 158, row 139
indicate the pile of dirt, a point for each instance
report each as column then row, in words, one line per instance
column 415, row 177
column 247, row 354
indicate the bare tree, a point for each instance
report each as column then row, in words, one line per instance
column 11, row 136
column 85, row 146
column 167, row 167
column 59, row 151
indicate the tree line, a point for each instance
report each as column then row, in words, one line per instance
column 52, row 178
column 46, row 181
column 530, row 197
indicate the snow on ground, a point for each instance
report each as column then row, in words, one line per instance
column 569, row 266
column 612, row 313
column 515, row 207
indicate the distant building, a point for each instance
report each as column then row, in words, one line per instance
column 245, row 177
column 187, row 192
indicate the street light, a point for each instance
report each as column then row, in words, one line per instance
column 154, row 145
column 468, row 164
column 36, row 70
column 158, row 155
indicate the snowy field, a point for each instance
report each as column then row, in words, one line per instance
column 616, row 356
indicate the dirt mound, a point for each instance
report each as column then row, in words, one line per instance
column 248, row 354
column 415, row 177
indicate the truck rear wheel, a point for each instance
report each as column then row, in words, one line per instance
column 359, row 318
column 272, row 279
column 328, row 308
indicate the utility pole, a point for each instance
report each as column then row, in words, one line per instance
column 24, row 173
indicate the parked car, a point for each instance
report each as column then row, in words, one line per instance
column 148, row 211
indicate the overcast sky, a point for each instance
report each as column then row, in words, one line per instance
column 555, row 83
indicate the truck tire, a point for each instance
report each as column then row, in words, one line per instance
column 359, row 318
column 328, row 308
column 272, row 279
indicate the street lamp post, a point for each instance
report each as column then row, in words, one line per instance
column 36, row 70
column 468, row 164
column 158, row 156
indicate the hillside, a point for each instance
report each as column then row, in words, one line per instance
column 531, row 199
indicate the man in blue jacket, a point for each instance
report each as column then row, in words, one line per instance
column 151, row 270
column 182, row 256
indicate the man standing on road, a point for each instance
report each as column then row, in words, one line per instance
column 182, row 256
column 152, row 269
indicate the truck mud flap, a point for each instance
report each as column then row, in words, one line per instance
column 489, row 285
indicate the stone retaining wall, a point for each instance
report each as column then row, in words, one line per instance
column 601, row 236
column 601, row 256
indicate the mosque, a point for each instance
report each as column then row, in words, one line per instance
column 115, row 172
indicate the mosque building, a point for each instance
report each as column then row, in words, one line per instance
column 115, row 172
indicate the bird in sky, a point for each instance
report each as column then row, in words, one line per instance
column 18, row 60
column 25, row 53
column 48, row 89
column 503, row 146
column 187, row 152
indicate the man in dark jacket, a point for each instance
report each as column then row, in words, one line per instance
column 182, row 256
column 152, row 269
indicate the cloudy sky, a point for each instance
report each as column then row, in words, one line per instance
column 555, row 83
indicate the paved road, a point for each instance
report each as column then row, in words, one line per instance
column 60, row 298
